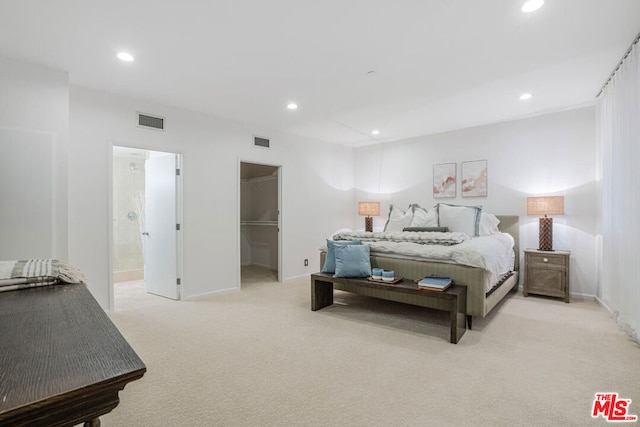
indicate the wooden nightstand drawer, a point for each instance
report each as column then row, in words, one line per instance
column 547, row 260
column 547, row 273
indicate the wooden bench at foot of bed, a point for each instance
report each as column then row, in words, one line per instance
column 453, row 300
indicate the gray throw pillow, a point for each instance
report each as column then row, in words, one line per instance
column 440, row 229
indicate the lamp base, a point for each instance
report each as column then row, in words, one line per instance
column 368, row 223
column 545, row 236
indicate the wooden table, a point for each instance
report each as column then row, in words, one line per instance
column 62, row 360
column 453, row 300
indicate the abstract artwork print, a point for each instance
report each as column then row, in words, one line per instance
column 474, row 178
column 444, row 180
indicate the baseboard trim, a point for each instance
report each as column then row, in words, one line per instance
column 212, row 293
column 297, row 277
column 270, row 267
column 583, row 296
column 615, row 316
column 604, row 305
column 572, row 295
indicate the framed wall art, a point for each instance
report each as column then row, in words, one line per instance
column 444, row 180
column 474, row 179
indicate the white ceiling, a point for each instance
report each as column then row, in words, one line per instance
column 439, row 64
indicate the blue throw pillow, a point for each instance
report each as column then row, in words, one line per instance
column 330, row 259
column 352, row 261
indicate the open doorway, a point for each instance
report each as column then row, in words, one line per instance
column 259, row 223
column 146, row 242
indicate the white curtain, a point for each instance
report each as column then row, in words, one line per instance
column 618, row 115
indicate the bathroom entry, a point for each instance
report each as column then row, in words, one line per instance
column 259, row 223
column 145, row 231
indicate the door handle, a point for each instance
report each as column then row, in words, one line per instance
column 145, row 233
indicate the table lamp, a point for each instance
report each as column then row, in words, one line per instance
column 546, row 205
column 368, row 209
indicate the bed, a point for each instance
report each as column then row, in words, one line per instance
column 485, row 289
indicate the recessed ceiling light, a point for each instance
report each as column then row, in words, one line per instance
column 525, row 96
column 292, row 106
column 532, row 5
column 125, row 56
column 375, row 132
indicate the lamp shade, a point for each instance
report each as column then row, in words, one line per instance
column 546, row 205
column 369, row 208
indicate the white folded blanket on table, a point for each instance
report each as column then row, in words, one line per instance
column 37, row 272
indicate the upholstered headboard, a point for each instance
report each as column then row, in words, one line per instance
column 511, row 224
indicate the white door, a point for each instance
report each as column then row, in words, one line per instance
column 160, row 235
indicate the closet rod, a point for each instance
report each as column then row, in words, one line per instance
column 613, row 73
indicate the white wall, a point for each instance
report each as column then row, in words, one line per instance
column 546, row 155
column 34, row 107
column 317, row 191
column 551, row 154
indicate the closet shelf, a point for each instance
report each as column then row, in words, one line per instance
column 258, row 179
column 261, row 223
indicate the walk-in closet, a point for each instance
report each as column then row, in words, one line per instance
column 259, row 186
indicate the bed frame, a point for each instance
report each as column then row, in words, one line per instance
column 479, row 302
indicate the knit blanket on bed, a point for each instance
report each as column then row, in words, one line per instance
column 421, row 237
column 492, row 253
column 37, row 272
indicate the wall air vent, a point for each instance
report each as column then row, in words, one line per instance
column 260, row 142
column 147, row 121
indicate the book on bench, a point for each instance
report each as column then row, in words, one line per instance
column 435, row 283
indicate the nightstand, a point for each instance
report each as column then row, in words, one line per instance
column 546, row 273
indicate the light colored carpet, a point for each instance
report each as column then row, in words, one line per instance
column 261, row 357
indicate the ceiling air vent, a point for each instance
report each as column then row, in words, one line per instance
column 152, row 122
column 260, row 142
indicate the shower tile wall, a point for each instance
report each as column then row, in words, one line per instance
column 128, row 218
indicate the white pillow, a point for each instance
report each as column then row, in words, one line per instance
column 488, row 224
column 423, row 217
column 462, row 219
column 398, row 218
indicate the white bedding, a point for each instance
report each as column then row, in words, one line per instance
column 492, row 253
